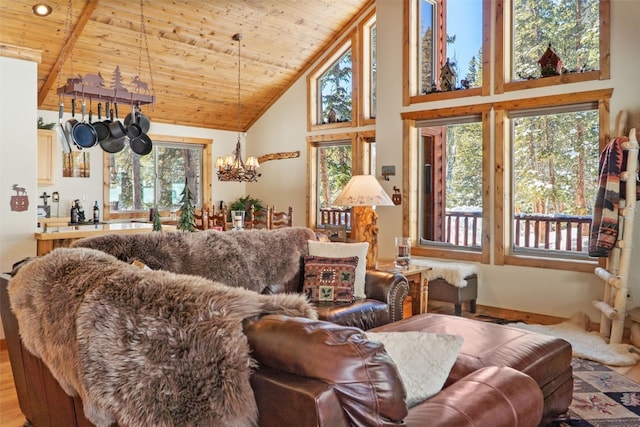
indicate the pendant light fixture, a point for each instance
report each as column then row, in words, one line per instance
column 232, row 167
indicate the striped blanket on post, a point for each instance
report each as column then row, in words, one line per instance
column 604, row 226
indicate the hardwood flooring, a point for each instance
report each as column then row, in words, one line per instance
column 10, row 415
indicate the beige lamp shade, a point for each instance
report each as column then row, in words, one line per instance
column 363, row 190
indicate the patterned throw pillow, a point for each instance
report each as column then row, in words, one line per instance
column 329, row 279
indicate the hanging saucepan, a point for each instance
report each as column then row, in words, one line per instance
column 111, row 144
column 116, row 127
column 133, row 128
column 62, row 136
column 141, row 145
column 142, row 120
column 102, row 128
column 69, row 124
column 84, row 135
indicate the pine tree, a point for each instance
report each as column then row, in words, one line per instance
column 157, row 224
column 187, row 220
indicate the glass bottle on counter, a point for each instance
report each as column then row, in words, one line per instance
column 96, row 213
column 74, row 212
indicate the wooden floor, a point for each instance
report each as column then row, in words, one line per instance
column 10, row 415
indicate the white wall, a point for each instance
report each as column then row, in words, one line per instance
column 552, row 292
column 283, row 182
column 18, row 103
column 91, row 188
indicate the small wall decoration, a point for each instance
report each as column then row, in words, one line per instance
column 76, row 164
column 19, row 202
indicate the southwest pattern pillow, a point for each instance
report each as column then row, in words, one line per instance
column 329, row 279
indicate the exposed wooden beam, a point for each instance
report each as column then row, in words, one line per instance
column 278, row 156
column 68, row 46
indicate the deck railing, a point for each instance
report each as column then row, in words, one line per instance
column 540, row 231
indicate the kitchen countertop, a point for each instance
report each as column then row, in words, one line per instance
column 86, row 230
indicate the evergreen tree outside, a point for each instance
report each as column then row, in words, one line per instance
column 572, row 27
column 187, row 221
column 336, row 89
column 334, row 172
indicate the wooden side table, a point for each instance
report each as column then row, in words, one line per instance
column 418, row 284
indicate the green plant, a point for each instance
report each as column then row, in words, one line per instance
column 245, row 203
column 43, row 125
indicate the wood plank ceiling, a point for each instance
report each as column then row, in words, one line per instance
column 192, row 65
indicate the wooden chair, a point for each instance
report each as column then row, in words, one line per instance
column 280, row 219
column 218, row 219
column 202, row 218
column 258, row 219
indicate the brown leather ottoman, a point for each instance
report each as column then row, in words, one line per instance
column 544, row 358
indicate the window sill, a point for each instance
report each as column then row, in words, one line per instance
column 438, row 96
column 551, row 81
column 332, row 126
column 458, row 254
column 582, row 266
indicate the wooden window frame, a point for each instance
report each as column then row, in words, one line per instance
column 504, row 254
column 410, row 90
column 350, row 42
column 206, row 177
column 359, row 162
column 410, row 177
column 504, row 35
column 364, row 82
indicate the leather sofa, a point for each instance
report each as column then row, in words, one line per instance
column 385, row 292
column 316, row 373
column 330, row 376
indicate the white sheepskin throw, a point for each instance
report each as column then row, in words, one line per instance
column 453, row 272
column 423, row 359
column 141, row 347
column 251, row 259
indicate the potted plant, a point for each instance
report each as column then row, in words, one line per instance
column 245, row 203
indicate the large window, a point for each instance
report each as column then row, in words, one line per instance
column 570, row 27
column 369, row 33
column 334, row 171
column 331, row 101
column 333, row 159
column 555, row 173
column 445, row 43
column 335, row 89
column 546, row 177
column 134, row 184
column 450, row 182
column 575, row 31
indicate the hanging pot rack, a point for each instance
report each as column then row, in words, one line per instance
column 92, row 85
column 79, row 88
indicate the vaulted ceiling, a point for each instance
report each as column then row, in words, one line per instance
column 191, row 64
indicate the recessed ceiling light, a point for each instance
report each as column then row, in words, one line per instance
column 41, row 9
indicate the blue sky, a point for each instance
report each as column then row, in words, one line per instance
column 464, row 19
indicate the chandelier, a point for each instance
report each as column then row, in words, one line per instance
column 232, row 167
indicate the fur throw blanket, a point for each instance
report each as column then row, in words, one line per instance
column 252, row 259
column 453, row 272
column 142, row 347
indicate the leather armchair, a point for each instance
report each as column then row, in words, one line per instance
column 385, row 293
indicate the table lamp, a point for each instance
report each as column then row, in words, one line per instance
column 361, row 193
